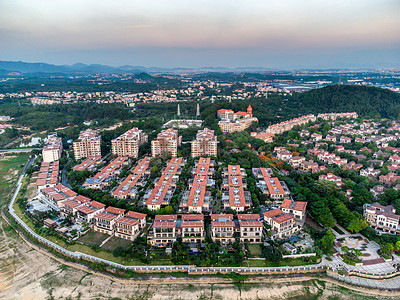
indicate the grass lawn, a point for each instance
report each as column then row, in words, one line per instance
column 93, row 238
column 255, row 250
column 10, row 168
column 286, row 262
column 115, row 242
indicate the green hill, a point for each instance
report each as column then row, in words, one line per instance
column 366, row 101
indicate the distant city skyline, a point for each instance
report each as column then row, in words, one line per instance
column 285, row 34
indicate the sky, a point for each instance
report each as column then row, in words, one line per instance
column 278, row 34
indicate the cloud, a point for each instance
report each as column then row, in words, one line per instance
column 240, row 26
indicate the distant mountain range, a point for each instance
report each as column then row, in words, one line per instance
column 7, row 67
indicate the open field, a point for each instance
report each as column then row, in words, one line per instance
column 10, row 167
column 92, row 238
column 115, row 242
column 255, row 250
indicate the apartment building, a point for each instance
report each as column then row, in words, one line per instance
column 88, row 144
column 282, row 224
column 222, row 228
column 167, row 141
column 205, row 143
column 192, row 228
column 382, row 218
column 250, row 228
column 53, row 149
column 128, row 143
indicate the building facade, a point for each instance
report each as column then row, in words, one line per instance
column 128, row 143
column 167, row 141
column 88, row 144
column 205, row 143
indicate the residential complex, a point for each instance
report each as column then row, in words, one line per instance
column 167, row 141
column 205, row 143
column 232, row 122
column 128, row 143
column 88, row 144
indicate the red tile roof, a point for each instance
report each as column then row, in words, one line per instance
column 272, row 213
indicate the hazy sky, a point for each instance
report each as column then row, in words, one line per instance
column 197, row 33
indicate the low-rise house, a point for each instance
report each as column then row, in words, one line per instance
column 104, row 222
column 316, row 137
column 296, row 161
column 87, row 212
column 352, row 165
column 333, row 178
column 389, row 179
column 192, row 228
column 297, row 208
column 284, row 155
column 370, row 172
column 382, row 218
column 89, row 163
column 331, row 138
column 345, row 140
column 377, row 190
column 164, row 231
column 304, row 133
column 395, row 159
column 251, row 228
column 282, row 224
column 222, row 228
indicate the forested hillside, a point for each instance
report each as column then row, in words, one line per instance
column 366, row 101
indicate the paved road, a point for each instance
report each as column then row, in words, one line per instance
column 18, row 150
